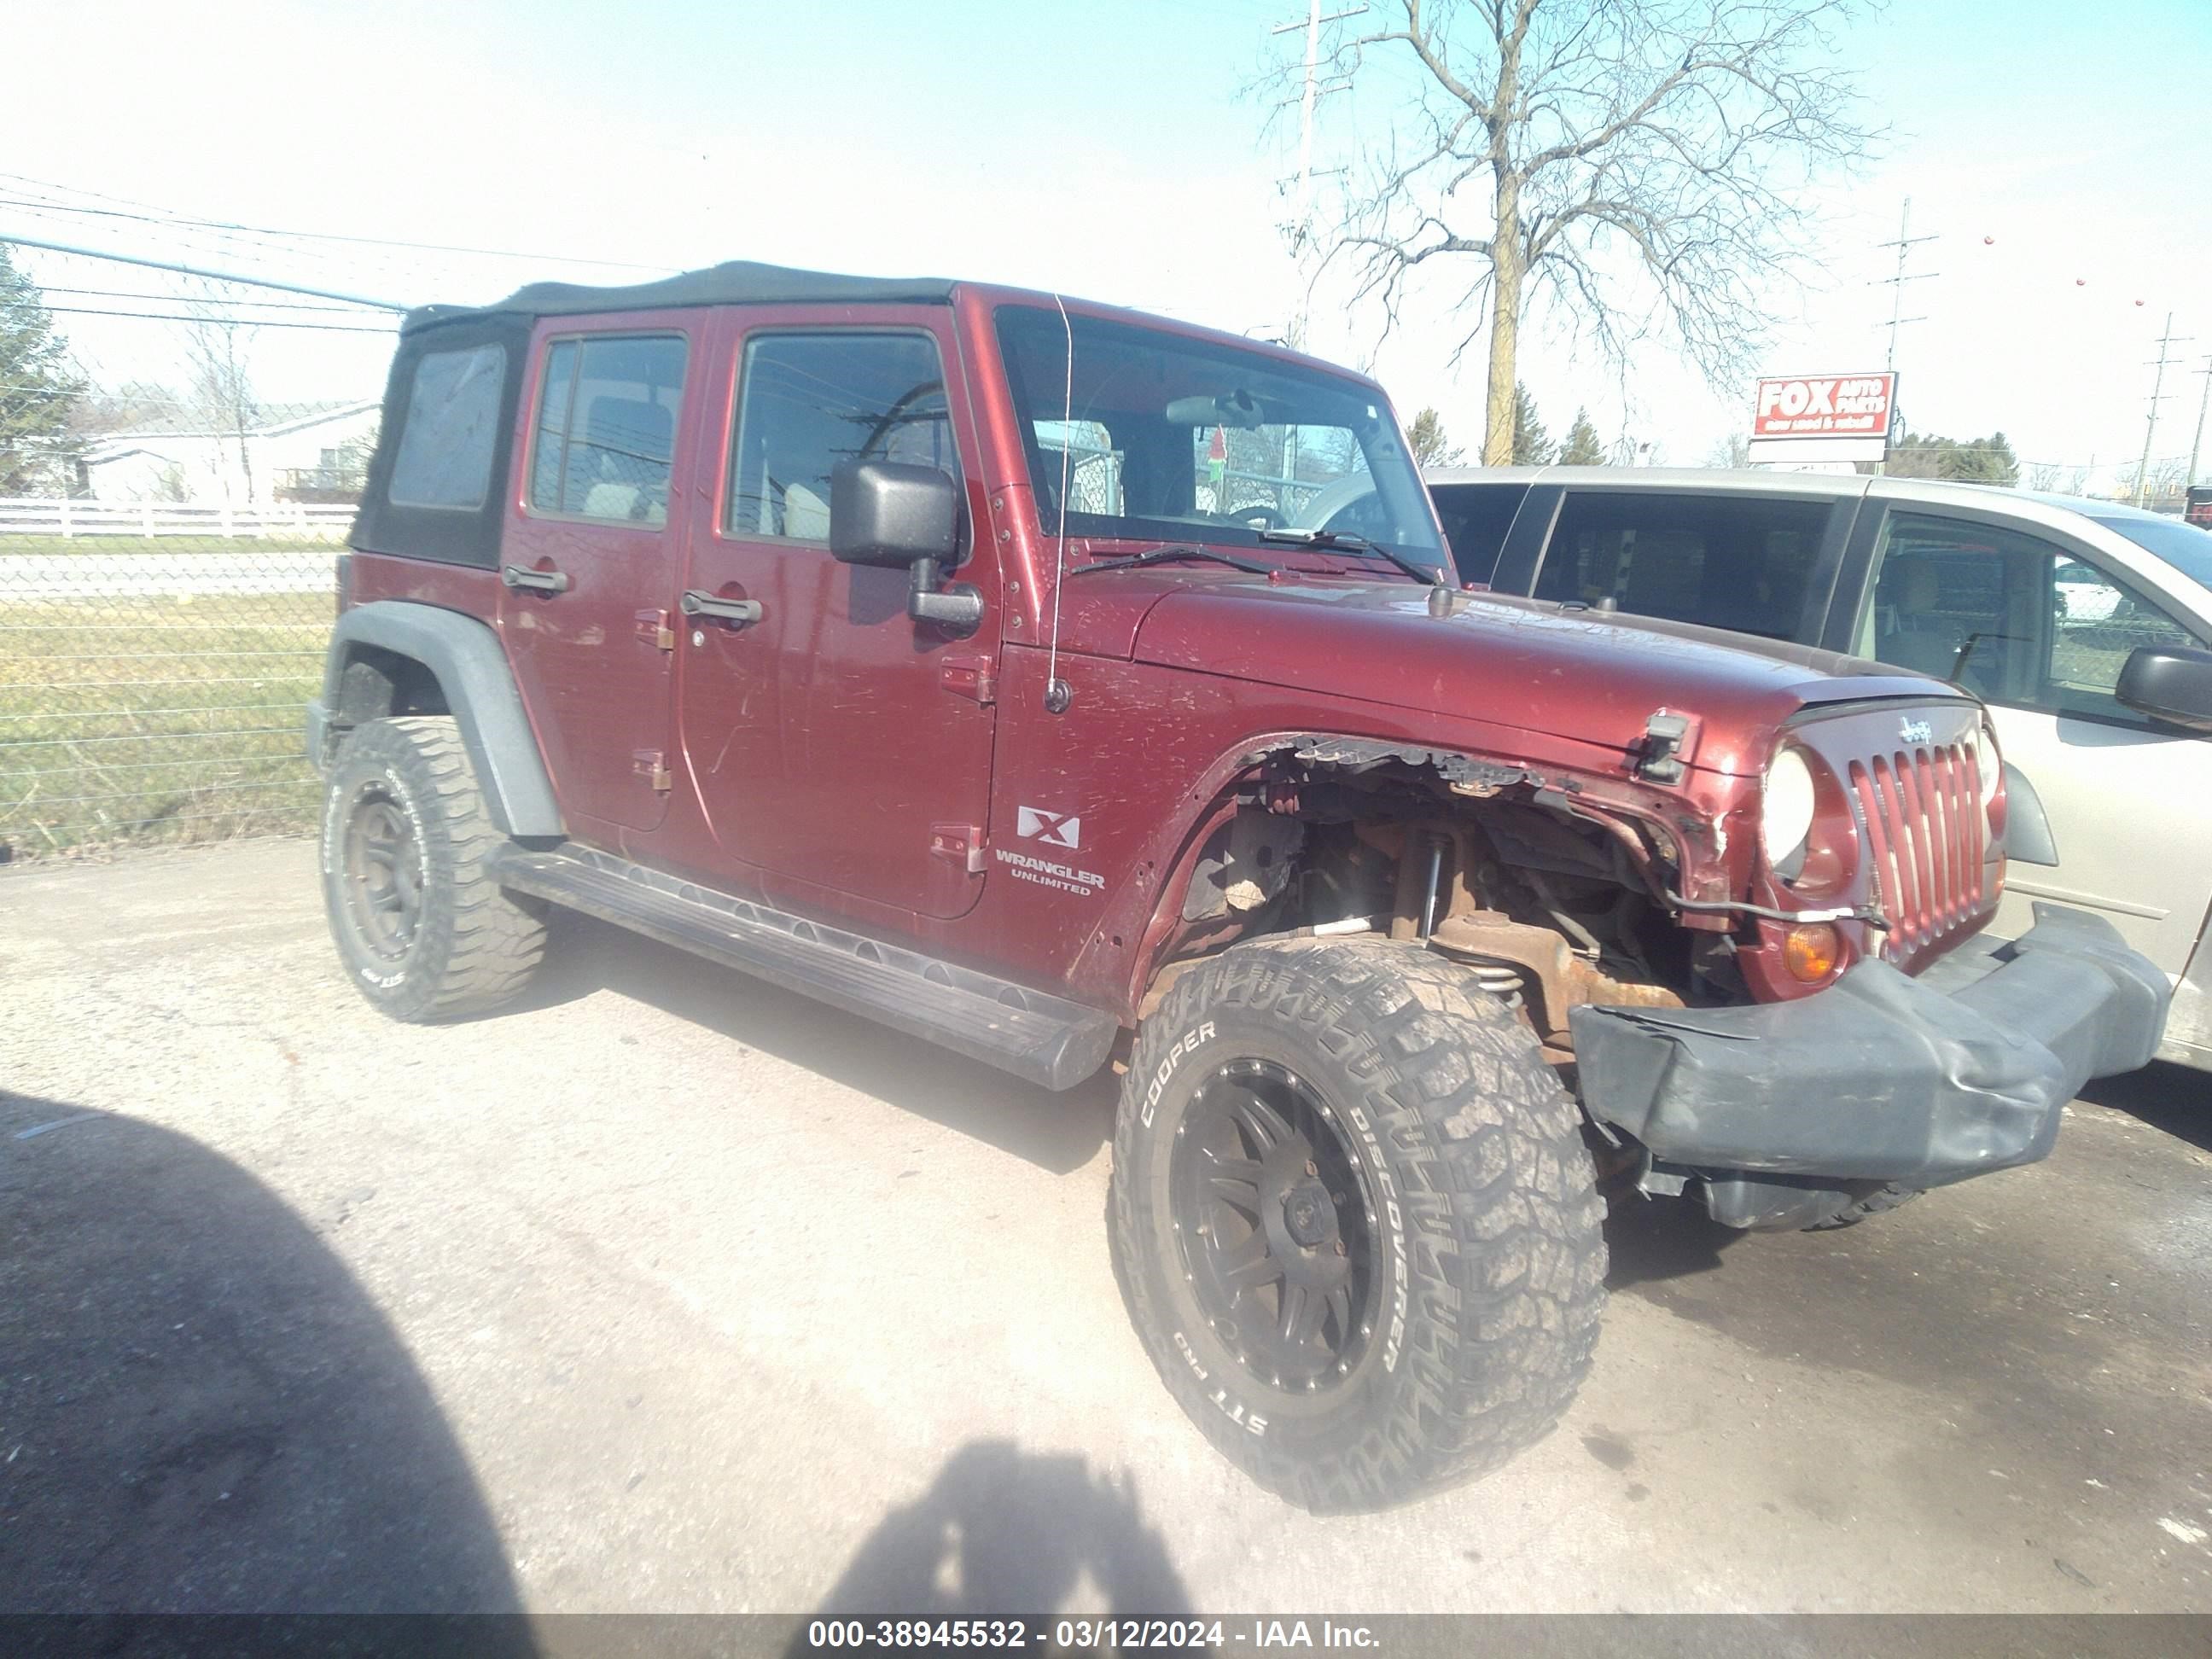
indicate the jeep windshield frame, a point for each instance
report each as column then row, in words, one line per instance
column 1171, row 437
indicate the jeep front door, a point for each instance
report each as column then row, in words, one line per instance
column 839, row 746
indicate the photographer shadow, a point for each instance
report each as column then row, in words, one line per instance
column 1001, row 1531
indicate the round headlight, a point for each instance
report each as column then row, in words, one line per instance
column 1989, row 764
column 1787, row 818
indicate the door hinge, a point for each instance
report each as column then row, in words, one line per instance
column 969, row 677
column 653, row 629
column 958, row 843
column 652, row 766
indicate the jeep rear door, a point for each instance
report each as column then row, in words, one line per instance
column 833, row 744
column 590, row 554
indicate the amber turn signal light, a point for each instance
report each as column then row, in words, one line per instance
column 1811, row 951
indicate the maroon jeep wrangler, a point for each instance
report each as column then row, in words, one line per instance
column 1023, row 673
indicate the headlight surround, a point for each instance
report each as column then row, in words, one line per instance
column 1789, row 801
column 1989, row 764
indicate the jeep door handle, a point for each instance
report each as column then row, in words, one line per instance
column 744, row 612
column 537, row 582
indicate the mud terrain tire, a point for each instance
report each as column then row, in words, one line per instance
column 1431, row 1138
column 424, row 931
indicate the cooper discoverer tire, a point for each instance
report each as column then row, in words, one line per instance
column 425, row 933
column 1355, row 1225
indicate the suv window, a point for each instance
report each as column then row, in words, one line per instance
column 605, row 435
column 806, row 402
column 451, row 427
column 1741, row 563
column 1476, row 518
column 2011, row 617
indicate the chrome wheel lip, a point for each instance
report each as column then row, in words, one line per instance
column 1273, row 1227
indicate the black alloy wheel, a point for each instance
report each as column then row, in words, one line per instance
column 1275, row 1227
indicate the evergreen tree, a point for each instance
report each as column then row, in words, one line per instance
column 38, row 391
column 1532, row 445
column 1431, row 446
column 1582, row 447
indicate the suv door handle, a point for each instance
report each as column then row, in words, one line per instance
column 744, row 612
column 538, row 581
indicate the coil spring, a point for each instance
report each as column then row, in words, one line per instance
column 1501, row 979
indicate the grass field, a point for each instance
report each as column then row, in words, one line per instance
column 142, row 719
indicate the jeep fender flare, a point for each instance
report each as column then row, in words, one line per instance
column 471, row 667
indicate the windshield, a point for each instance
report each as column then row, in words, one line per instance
column 2183, row 546
column 1171, row 439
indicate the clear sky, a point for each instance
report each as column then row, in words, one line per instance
column 1105, row 150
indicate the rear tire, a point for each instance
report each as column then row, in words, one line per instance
column 1293, row 1095
column 424, row 931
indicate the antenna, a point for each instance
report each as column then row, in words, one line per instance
column 1058, row 695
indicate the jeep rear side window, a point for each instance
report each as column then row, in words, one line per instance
column 452, row 427
column 808, row 401
column 1736, row 562
column 605, row 432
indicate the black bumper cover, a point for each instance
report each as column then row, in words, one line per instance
column 1881, row 1078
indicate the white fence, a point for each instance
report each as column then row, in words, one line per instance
column 55, row 516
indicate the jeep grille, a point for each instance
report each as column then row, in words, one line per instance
column 1927, row 835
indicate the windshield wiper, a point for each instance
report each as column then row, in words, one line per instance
column 1339, row 541
column 1177, row 550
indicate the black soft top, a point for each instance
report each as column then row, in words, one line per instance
column 739, row 281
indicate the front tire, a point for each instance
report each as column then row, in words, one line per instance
column 1358, row 1231
column 423, row 930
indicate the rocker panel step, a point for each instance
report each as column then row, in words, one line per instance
column 1033, row 1034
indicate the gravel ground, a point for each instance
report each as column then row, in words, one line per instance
column 673, row 1293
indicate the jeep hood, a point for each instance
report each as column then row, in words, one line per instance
column 1578, row 676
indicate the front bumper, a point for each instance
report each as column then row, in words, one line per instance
column 1879, row 1078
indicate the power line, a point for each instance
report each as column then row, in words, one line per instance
column 188, row 299
column 193, row 221
column 201, row 270
column 225, row 322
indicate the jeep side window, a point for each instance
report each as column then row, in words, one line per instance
column 806, row 402
column 606, row 434
column 451, row 427
column 2010, row 617
column 1738, row 563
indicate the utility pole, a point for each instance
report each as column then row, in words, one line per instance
column 1312, row 93
column 2203, row 399
column 1905, row 244
column 2166, row 342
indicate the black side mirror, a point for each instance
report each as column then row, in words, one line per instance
column 892, row 515
column 2169, row 682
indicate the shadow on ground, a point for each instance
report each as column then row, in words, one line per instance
column 1648, row 1240
column 1003, row 1531
column 1056, row 1132
column 2171, row 1098
column 200, row 1409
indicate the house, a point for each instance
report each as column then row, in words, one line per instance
column 314, row 453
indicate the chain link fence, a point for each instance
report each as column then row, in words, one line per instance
column 169, row 534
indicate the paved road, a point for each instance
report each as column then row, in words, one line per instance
column 147, row 575
column 674, row 1292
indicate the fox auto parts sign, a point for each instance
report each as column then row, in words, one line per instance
column 1841, row 418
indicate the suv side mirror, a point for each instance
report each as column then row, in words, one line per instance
column 892, row 515
column 2169, row 682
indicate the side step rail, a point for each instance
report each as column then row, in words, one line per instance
column 1033, row 1034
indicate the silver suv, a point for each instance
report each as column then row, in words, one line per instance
column 2085, row 626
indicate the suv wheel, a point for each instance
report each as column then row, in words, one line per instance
column 424, row 933
column 1355, row 1222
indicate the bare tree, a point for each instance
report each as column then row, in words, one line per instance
column 218, row 349
column 1635, row 161
column 1733, row 451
